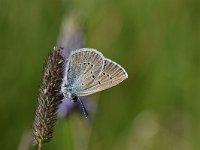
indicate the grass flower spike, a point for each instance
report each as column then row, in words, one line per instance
column 49, row 98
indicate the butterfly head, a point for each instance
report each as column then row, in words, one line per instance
column 73, row 97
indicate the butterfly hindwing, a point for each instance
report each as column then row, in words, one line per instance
column 84, row 65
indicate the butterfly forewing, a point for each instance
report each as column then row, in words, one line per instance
column 111, row 75
column 84, row 66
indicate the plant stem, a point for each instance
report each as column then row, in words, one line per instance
column 40, row 146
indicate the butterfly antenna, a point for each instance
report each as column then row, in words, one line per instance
column 83, row 108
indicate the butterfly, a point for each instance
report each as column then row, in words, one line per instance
column 87, row 72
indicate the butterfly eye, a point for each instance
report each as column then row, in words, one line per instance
column 91, row 72
column 93, row 76
column 68, row 69
column 99, row 82
column 80, row 64
column 84, row 63
column 110, row 77
column 104, row 73
column 82, row 84
column 91, row 65
column 88, row 63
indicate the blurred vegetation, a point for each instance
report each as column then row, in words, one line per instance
column 157, row 42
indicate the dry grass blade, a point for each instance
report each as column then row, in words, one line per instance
column 49, row 98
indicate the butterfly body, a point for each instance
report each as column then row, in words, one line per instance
column 88, row 72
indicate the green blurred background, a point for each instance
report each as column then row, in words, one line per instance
column 157, row 42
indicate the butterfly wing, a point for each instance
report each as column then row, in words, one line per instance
column 111, row 75
column 84, row 65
